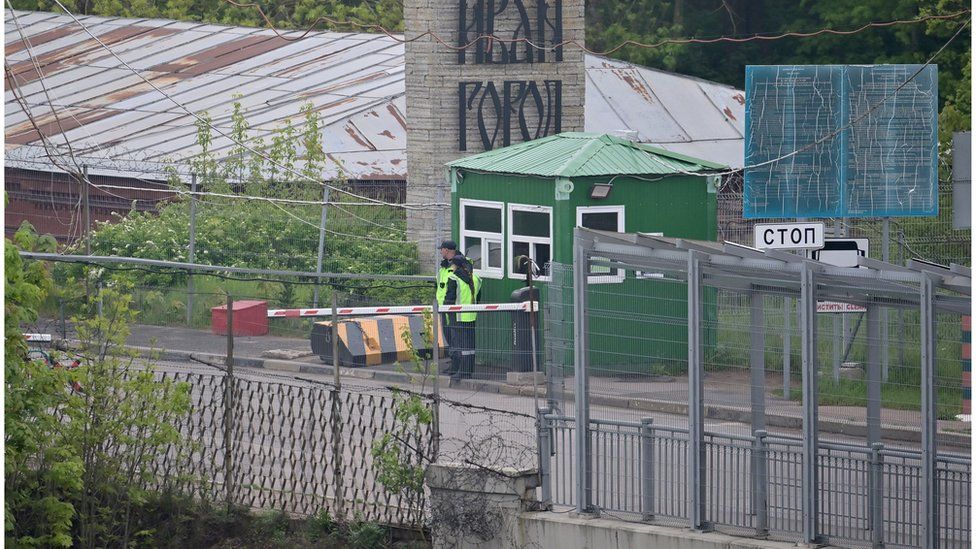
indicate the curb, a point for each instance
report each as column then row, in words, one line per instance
column 712, row 411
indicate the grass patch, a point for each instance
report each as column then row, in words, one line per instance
column 893, row 396
column 177, row 521
column 900, row 392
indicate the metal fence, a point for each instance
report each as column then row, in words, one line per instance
column 289, row 445
column 725, row 404
column 752, row 485
column 930, row 238
column 278, row 225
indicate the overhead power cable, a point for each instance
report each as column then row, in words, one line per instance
column 836, row 132
column 668, row 41
column 78, row 172
column 295, row 201
column 175, row 271
column 207, row 269
column 713, row 40
column 212, row 127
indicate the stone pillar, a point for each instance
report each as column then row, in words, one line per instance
column 501, row 93
column 473, row 507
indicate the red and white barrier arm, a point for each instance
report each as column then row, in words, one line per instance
column 403, row 310
column 38, row 338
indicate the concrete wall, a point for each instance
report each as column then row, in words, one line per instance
column 433, row 77
column 479, row 508
column 564, row 531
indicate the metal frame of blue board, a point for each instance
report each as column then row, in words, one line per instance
column 830, row 162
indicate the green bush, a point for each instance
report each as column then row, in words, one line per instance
column 42, row 468
column 367, row 535
column 232, row 230
column 322, row 526
column 81, row 446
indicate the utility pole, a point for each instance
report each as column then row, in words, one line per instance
column 86, row 224
column 87, row 210
column 229, row 406
column 318, row 267
column 336, row 419
column 191, row 255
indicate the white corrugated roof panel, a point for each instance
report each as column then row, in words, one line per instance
column 354, row 80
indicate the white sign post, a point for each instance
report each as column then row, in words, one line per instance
column 841, row 252
column 789, row 236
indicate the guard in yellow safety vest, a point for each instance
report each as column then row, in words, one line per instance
column 461, row 290
column 449, row 251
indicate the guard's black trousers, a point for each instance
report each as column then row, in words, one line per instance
column 462, row 349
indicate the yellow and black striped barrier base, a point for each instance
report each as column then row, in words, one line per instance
column 372, row 341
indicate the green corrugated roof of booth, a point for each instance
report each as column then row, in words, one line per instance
column 578, row 154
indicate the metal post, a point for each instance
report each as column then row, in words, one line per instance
column 901, row 312
column 318, row 264
column 439, row 226
column 836, row 320
column 335, row 339
column 845, row 319
column 874, row 373
column 584, row 495
column 757, row 361
column 64, row 324
column 87, row 209
column 435, row 354
column 835, row 348
column 757, row 368
column 191, row 249
column 545, row 456
column 787, row 346
column 929, row 508
column 647, row 468
column 229, row 406
column 335, row 420
column 885, row 244
column 808, row 333
column 760, row 482
column 696, row 397
column 876, row 496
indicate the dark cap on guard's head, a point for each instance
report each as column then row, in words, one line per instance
column 449, row 244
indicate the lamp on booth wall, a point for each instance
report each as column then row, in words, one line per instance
column 600, row 190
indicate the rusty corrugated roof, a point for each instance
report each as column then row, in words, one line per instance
column 119, row 125
column 678, row 113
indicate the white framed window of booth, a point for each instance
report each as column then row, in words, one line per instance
column 530, row 234
column 482, row 224
column 602, row 218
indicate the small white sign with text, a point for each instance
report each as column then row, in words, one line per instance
column 837, row 307
column 789, row 236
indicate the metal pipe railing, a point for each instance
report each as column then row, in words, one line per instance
column 640, row 467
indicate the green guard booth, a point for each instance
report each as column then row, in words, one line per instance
column 526, row 199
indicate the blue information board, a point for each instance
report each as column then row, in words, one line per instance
column 841, row 141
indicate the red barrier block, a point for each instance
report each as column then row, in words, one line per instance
column 250, row 318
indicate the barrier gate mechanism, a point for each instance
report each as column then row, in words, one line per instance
column 527, row 306
column 373, row 340
column 378, row 338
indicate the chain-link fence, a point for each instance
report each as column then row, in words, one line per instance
column 289, row 445
column 351, row 226
column 747, row 441
column 929, row 238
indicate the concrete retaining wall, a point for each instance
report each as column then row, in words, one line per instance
column 478, row 508
column 549, row 530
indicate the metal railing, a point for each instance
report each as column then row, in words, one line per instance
column 868, row 496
